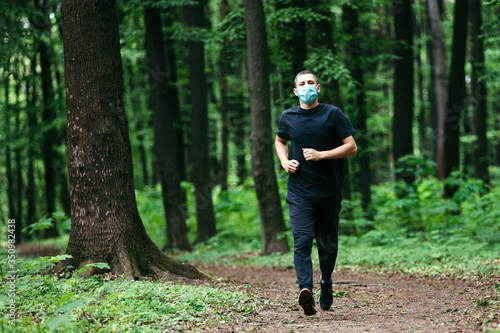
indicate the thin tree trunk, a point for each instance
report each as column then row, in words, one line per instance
column 138, row 122
column 105, row 222
column 456, row 94
column 351, row 26
column 17, row 156
column 194, row 17
column 261, row 138
column 402, row 126
column 31, row 93
column 439, row 81
column 165, row 138
column 479, row 93
column 224, row 160
column 8, row 154
column 172, row 79
column 239, row 121
column 48, row 116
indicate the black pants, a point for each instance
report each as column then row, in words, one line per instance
column 314, row 217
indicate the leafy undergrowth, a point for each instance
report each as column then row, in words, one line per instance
column 45, row 303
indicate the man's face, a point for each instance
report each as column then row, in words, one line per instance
column 303, row 80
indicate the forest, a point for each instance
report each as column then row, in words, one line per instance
column 137, row 145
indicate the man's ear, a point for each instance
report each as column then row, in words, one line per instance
column 318, row 88
column 295, row 91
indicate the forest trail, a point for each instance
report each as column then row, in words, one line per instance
column 367, row 302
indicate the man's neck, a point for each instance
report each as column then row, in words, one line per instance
column 309, row 106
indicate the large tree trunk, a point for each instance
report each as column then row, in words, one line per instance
column 351, row 26
column 456, row 94
column 402, row 126
column 194, row 17
column 165, row 138
column 105, row 222
column 261, row 139
column 479, row 93
column 439, row 82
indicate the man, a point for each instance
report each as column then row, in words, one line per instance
column 321, row 137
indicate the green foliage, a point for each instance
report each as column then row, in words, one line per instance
column 56, row 219
column 111, row 304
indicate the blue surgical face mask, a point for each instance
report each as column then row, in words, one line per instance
column 307, row 93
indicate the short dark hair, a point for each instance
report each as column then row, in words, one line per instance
column 302, row 73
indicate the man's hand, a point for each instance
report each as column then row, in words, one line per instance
column 312, row 154
column 291, row 166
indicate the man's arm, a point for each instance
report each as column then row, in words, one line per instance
column 348, row 148
column 290, row 166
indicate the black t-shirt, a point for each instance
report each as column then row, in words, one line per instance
column 321, row 128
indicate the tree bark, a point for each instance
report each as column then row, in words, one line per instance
column 194, row 17
column 105, row 222
column 456, row 94
column 261, row 138
column 439, row 82
column 165, row 140
column 479, row 92
column 402, row 125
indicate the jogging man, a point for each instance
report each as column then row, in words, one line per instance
column 321, row 137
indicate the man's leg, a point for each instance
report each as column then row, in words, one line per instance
column 302, row 223
column 326, row 232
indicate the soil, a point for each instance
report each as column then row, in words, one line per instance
column 364, row 302
column 368, row 302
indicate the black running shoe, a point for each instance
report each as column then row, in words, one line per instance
column 326, row 296
column 306, row 301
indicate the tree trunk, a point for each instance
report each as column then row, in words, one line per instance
column 439, row 82
column 165, row 138
column 194, row 17
column 135, row 104
column 48, row 117
column 17, row 156
column 402, row 125
column 239, row 121
column 31, row 93
column 456, row 94
column 172, row 79
column 8, row 154
column 479, row 93
column 105, row 222
column 351, row 28
column 261, row 137
column 422, row 115
column 224, row 160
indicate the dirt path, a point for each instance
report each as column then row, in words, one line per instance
column 372, row 302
